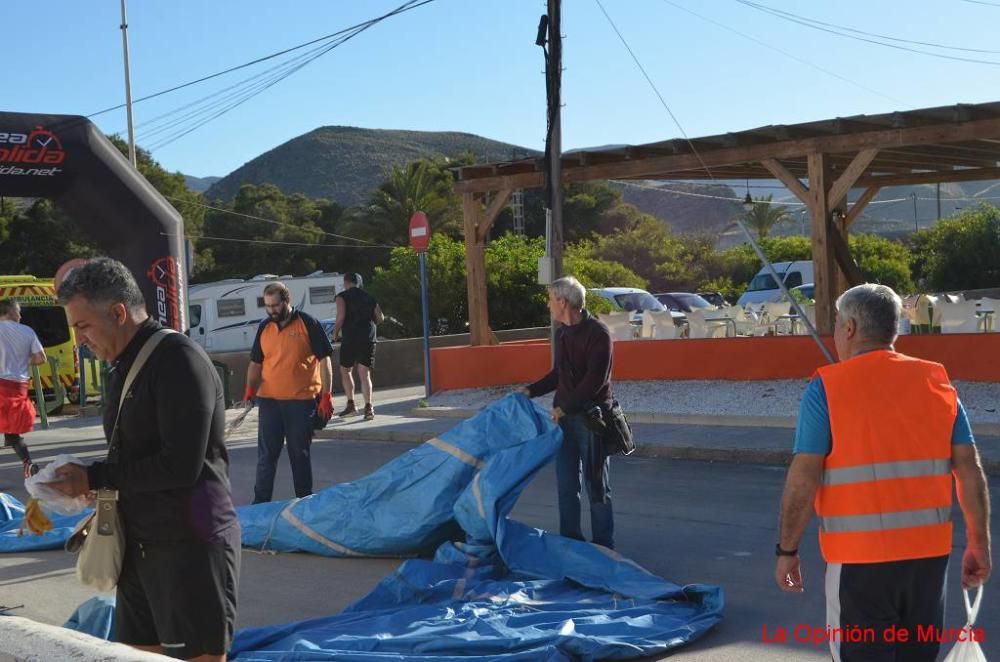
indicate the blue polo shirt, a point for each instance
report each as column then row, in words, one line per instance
column 813, row 435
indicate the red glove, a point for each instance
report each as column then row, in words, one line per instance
column 325, row 407
column 248, row 395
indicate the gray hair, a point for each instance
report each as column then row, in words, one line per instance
column 103, row 280
column 7, row 306
column 875, row 308
column 570, row 290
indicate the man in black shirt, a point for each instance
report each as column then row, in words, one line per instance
column 581, row 379
column 177, row 589
column 357, row 315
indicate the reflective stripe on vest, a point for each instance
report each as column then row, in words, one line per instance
column 885, row 521
column 886, row 471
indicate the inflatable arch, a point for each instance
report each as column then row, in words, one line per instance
column 66, row 159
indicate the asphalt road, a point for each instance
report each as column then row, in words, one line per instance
column 690, row 522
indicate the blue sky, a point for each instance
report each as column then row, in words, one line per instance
column 471, row 65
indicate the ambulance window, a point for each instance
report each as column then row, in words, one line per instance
column 231, row 307
column 194, row 312
column 49, row 323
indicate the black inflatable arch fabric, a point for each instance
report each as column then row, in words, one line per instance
column 66, row 159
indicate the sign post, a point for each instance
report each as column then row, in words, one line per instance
column 420, row 235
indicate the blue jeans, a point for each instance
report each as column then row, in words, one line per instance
column 582, row 456
column 281, row 421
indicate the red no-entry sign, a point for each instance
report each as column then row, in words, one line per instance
column 420, row 231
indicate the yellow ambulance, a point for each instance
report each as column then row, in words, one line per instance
column 41, row 311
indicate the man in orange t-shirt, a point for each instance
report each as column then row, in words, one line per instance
column 289, row 369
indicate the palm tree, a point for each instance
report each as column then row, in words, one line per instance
column 419, row 186
column 764, row 216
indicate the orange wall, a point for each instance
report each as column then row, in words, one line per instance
column 971, row 357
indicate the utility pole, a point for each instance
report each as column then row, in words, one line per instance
column 913, row 195
column 128, row 88
column 939, row 200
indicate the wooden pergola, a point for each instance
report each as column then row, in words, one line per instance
column 820, row 162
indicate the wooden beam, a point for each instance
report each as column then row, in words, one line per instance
column 499, row 202
column 851, row 175
column 968, row 175
column 842, row 253
column 824, row 262
column 664, row 165
column 860, row 204
column 475, row 271
column 788, row 179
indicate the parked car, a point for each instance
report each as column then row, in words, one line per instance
column 762, row 287
column 635, row 301
column 714, row 298
column 683, row 302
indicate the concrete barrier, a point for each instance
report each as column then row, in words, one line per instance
column 397, row 362
column 29, row 641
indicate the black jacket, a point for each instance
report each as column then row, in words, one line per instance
column 171, row 468
column 582, row 372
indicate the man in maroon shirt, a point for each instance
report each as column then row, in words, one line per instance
column 581, row 379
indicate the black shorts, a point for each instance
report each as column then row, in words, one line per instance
column 180, row 595
column 357, row 352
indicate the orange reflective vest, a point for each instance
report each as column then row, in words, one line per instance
column 886, row 488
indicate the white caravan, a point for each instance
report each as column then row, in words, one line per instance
column 225, row 314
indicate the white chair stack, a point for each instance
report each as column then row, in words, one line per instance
column 700, row 327
column 957, row 317
column 658, row 325
column 774, row 312
column 619, row 325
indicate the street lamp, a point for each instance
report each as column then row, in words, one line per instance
column 748, row 201
column 913, row 194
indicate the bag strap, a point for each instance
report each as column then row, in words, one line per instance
column 971, row 611
column 137, row 365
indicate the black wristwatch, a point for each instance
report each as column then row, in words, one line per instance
column 784, row 552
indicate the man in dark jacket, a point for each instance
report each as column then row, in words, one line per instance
column 581, row 379
column 168, row 461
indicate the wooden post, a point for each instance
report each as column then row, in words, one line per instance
column 475, row 268
column 824, row 263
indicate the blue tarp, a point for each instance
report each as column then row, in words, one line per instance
column 11, row 515
column 95, row 617
column 507, row 592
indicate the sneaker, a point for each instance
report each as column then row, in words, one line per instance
column 349, row 409
column 369, row 412
column 30, row 469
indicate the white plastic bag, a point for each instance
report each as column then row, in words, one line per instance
column 51, row 499
column 100, row 561
column 968, row 650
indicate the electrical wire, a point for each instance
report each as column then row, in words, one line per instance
column 274, row 243
column 247, row 64
column 692, row 194
column 811, row 23
column 655, row 90
column 790, row 55
column 372, row 244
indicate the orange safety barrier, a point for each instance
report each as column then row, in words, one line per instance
column 970, row 357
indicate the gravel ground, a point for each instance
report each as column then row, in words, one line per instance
column 718, row 397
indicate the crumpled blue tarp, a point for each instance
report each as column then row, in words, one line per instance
column 507, row 592
column 11, row 516
column 95, row 617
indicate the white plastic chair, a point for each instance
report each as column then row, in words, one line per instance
column 699, row 327
column 957, row 317
column 810, row 310
column 774, row 312
column 619, row 325
column 920, row 313
column 989, row 323
column 658, row 325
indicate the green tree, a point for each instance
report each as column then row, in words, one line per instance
column 764, row 216
column 960, row 253
column 647, row 249
column 883, row 261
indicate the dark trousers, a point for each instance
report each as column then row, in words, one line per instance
column 283, row 421
column 876, row 597
column 16, row 442
column 581, row 459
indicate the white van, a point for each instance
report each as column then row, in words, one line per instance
column 762, row 287
column 225, row 314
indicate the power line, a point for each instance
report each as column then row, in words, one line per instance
column 692, row 194
column 811, row 23
column 372, row 244
column 789, row 55
column 757, row 5
column 275, row 243
column 983, row 2
column 251, row 63
column 410, row 4
column 653, row 85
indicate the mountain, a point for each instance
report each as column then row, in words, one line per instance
column 345, row 164
column 684, row 206
column 199, row 184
